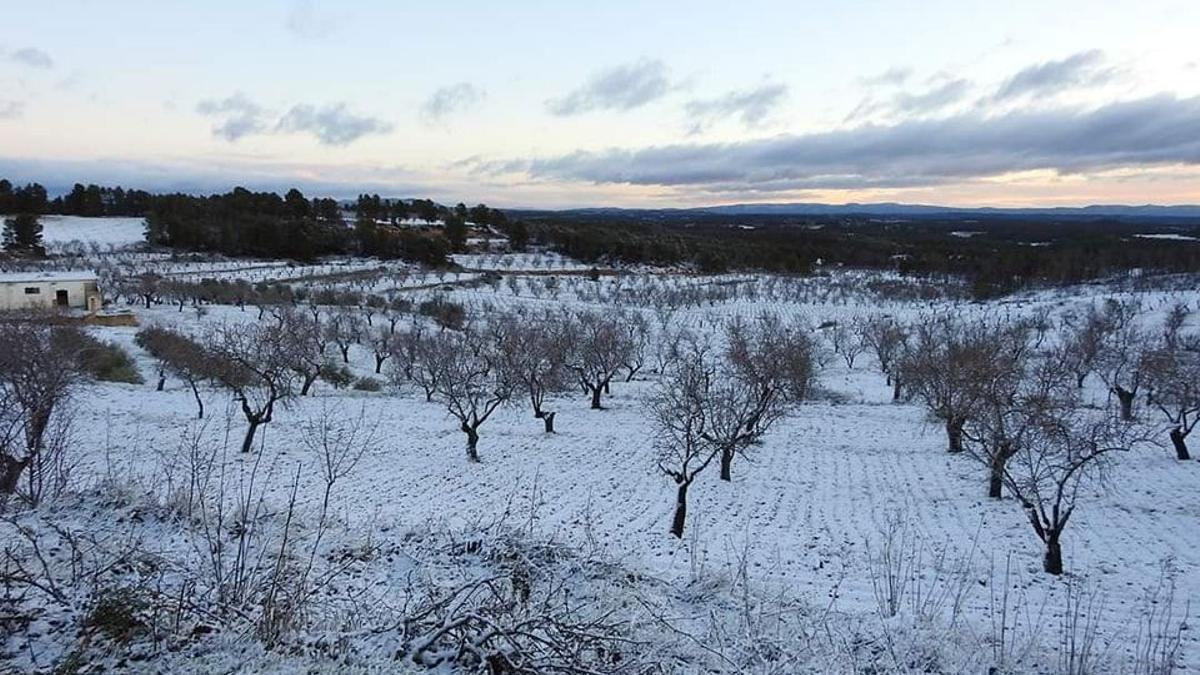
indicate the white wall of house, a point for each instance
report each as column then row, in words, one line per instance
column 37, row 293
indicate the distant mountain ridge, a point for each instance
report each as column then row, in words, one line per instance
column 894, row 209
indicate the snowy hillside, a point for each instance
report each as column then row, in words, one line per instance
column 848, row 540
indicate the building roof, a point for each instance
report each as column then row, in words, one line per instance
column 43, row 277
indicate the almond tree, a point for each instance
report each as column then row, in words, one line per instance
column 1119, row 361
column 947, row 358
column 600, row 348
column 1066, row 449
column 1173, row 374
column 472, row 383
column 180, row 355
column 886, row 338
column 255, row 362
column 39, row 372
column 768, row 368
column 679, row 411
column 534, row 354
column 307, row 344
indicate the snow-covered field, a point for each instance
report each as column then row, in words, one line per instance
column 59, row 232
column 805, row 517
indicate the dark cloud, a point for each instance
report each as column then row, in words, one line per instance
column 32, row 57
column 750, row 106
column 331, row 124
column 621, row 88
column 1159, row 130
column 240, row 116
column 891, row 77
column 11, row 109
column 449, row 100
column 1084, row 69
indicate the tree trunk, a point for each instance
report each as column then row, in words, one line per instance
column 548, row 421
column 726, row 465
column 308, row 382
column 345, row 353
column 680, row 511
column 596, row 391
column 379, row 364
column 954, row 430
column 162, row 380
column 472, row 444
column 1125, row 397
column 1178, row 439
column 1052, row 563
column 10, row 473
column 895, row 388
column 248, row 442
column 996, row 480
column 199, row 401
column 1079, row 378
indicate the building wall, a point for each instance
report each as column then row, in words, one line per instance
column 15, row 295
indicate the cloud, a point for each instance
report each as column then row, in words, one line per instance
column 305, row 20
column 1156, row 131
column 240, row 116
column 10, row 110
column 906, row 103
column 331, row 124
column 451, row 99
column 892, row 77
column 32, row 57
column 751, row 106
column 624, row 87
column 1084, row 69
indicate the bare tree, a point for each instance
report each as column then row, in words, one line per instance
column 637, row 329
column 534, row 354
column 382, row 339
column 679, row 411
column 886, row 338
column 601, row 347
column 847, row 341
column 1173, row 374
column 256, row 362
column 1001, row 424
column 416, row 359
column 1065, row 450
column 1119, row 361
column 471, row 382
column 307, row 343
column 948, row 357
column 39, row 371
column 180, row 355
column 768, row 368
column 344, row 328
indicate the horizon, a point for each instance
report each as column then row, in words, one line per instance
column 614, row 106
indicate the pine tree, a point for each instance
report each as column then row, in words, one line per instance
column 23, row 234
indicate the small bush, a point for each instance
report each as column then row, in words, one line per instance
column 116, row 614
column 108, row 362
column 445, row 313
column 368, row 384
column 337, row 374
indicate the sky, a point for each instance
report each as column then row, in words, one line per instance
column 638, row 104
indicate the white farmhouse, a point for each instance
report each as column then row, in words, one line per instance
column 42, row 290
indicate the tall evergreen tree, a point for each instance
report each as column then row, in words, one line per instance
column 23, row 234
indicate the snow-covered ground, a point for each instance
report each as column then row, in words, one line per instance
column 58, row 232
column 807, row 512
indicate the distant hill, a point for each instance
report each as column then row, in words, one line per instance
column 897, row 210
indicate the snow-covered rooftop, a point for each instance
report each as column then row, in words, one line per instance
column 26, row 277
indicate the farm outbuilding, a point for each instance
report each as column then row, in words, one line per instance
column 43, row 290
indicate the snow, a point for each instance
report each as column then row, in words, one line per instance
column 110, row 232
column 17, row 277
column 806, row 511
column 1167, row 237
